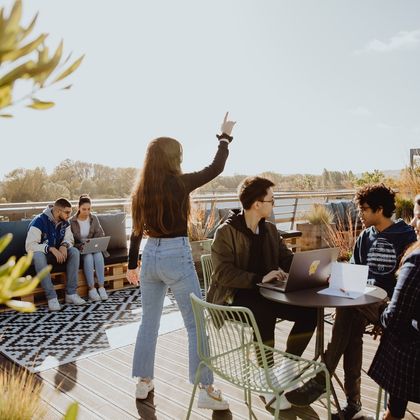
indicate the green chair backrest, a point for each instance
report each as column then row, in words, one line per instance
column 230, row 344
column 207, row 266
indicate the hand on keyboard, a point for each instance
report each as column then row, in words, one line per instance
column 275, row 275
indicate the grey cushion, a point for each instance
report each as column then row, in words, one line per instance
column 113, row 225
column 17, row 246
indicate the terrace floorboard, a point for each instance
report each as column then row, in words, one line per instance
column 104, row 389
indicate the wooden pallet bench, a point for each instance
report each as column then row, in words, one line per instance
column 114, row 280
column 113, row 225
column 291, row 237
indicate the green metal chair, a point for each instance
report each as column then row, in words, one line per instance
column 229, row 344
column 207, row 266
column 378, row 403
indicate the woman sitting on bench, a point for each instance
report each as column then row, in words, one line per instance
column 86, row 225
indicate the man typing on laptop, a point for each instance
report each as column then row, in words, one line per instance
column 248, row 250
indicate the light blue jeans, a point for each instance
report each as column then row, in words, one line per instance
column 41, row 260
column 94, row 263
column 166, row 262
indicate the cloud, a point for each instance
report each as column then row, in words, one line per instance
column 387, row 127
column 404, row 40
column 361, row 111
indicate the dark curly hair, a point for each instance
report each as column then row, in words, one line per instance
column 377, row 196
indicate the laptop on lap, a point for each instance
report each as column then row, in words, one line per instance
column 309, row 269
column 92, row 245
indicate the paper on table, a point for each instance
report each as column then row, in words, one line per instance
column 346, row 294
column 347, row 280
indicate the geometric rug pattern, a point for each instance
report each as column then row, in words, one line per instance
column 42, row 339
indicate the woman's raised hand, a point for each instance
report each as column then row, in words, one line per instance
column 227, row 125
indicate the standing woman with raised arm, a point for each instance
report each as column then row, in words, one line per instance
column 160, row 210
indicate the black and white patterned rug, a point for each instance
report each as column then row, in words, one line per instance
column 42, row 340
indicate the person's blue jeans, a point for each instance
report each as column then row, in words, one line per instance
column 166, row 262
column 94, row 263
column 41, row 260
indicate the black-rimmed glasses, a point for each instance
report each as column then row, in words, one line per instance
column 267, row 201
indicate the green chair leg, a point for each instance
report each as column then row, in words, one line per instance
column 378, row 404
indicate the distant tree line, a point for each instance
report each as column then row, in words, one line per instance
column 72, row 178
column 69, row 179
column 328, row 180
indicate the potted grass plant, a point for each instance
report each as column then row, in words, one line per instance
column 314, row 231
column 343, row 236
column 200, row 226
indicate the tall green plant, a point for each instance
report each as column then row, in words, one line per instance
column 21, row 59
column 374, row 177
column 12, row 281
column 404, row 208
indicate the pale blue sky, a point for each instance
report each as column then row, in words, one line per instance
column 312, row 84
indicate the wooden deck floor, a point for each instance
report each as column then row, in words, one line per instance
column 104, row 389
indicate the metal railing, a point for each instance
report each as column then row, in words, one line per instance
column 289, row 207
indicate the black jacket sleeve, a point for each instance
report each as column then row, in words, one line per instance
column 194, row 180
column 133, row 253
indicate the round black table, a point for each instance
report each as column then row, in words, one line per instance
column 310, row 298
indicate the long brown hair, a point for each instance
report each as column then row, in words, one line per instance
column 150, row 199
column 410, row 249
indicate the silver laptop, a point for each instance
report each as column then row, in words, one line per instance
column 95, row 245
column 309, row 269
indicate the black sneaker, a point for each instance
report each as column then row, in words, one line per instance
column 306, row 394
column 351, row 411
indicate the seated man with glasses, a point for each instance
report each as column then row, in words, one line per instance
column 51, row 240
column 247, row 249
column 380, row 246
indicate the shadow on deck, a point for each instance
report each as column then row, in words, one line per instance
column 104, row 389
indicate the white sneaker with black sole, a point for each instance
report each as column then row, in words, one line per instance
column 143, row 388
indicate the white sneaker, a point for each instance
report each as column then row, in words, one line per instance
column 285, row 373
column 93, row 295
column 75, row 299
column 54, row 304
column 143, row 388
column 280, row 376
column 102, row 293
column 211, row 400
column 284, row 404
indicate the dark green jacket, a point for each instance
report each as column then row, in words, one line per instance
column 230, row 253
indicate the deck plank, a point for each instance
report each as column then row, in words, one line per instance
column 103, row 386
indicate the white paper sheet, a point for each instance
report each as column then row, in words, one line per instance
column 347, row 280
column 346, row 294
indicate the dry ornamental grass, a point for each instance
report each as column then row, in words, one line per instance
column 20, row 397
